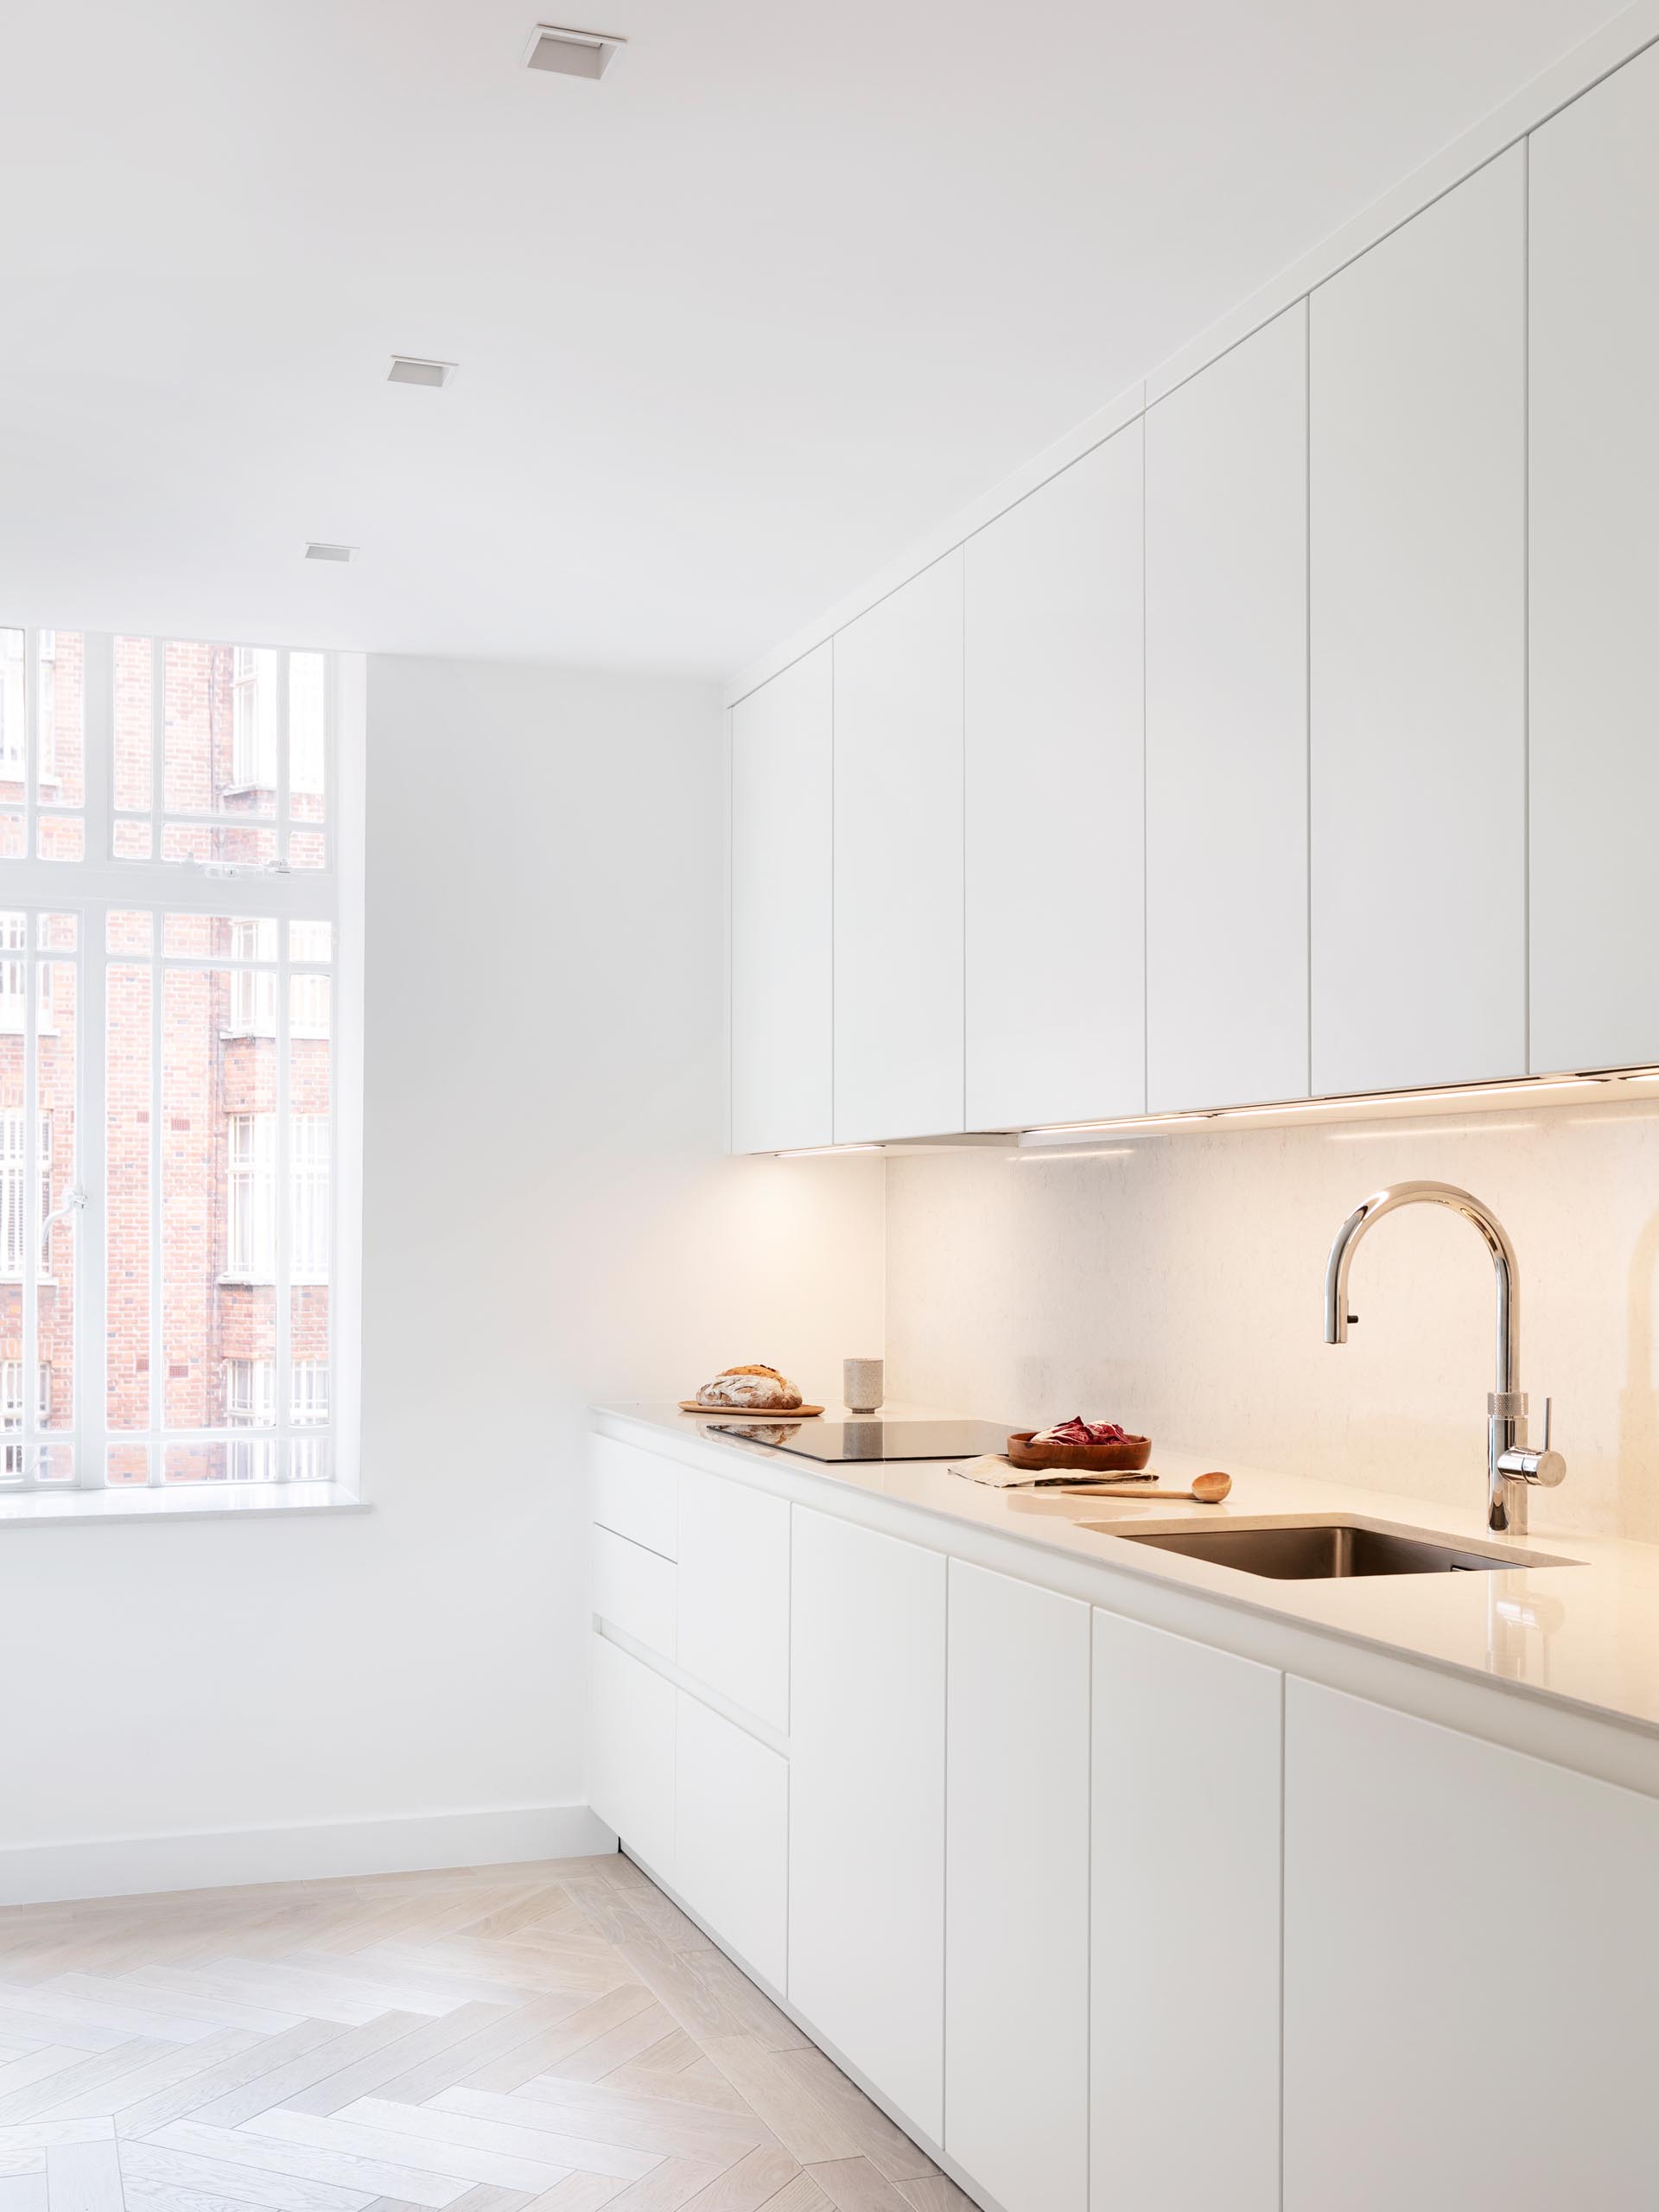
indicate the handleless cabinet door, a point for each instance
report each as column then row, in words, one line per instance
column 630, row 1753
column 898, row 863
column 1227, row 728
column 1472, row 1949
column 1595, row 576
column 1054, row 839
column 1417, row 485
column 1016, row 2038
column 732, row 1598
column 867, row 1807
column 1186, row 1847
column 781, row 895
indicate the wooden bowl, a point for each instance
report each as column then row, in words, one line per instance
column 1128, row 1458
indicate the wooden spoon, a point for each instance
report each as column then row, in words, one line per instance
column 1207, row 1489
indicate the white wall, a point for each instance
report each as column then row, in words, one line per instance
column 547, row 1220
column 1176, row 1285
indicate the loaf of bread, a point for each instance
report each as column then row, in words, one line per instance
column 751, row 1390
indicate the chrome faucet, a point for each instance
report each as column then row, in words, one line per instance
column 1511, row 1463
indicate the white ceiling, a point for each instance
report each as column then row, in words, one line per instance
column 795, row 281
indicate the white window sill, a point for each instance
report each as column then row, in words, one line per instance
column 181, row 1502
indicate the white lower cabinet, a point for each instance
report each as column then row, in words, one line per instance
column 1185, row 1928
column 734, row 1592
column 630, row 1753
column 1471, row 1953
column 867, row 1807
column 732, row 1837
column 1016, row 1912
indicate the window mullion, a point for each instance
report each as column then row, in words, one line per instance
column 89, row 1224
column 28, row 1271
column 157, row 1396
column 285, row 1165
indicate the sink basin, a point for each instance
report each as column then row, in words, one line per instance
column 1323, row 1551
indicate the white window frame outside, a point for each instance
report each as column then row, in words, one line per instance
column 93, row 888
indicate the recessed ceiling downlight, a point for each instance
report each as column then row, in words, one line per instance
column 571, row 53
column 410, row 368
column 317, row 550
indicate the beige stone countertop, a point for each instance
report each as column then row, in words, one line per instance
column 1583, row 1635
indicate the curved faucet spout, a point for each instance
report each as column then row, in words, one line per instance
column 1510, row 1466
column 1337, row 1316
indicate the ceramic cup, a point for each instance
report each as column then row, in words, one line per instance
column 862, row 1384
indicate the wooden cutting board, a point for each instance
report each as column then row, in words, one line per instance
column 750, row 1413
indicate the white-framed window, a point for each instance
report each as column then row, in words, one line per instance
column 13, row 1191
column 13, row 1459
column 253, row 719
column 168, row 1229
column 250, row 1214
column 311, row 1193
column 14, row 728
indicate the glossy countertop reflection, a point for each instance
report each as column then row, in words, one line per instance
column 1583, row 1635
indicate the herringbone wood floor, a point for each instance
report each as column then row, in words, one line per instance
column 549, row 2038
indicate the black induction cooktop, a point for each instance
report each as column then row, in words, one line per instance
column 868, row 1439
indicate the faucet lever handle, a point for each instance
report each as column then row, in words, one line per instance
column 1549, row 1406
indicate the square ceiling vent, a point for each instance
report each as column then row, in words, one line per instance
column 571, row 53
column 409, row 368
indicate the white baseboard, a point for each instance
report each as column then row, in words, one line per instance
column 43, row 1873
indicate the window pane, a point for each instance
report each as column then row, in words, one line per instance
column 57, row 1016
column 13, row 729
column 127, row 1135
column 308, row 694
column 307, row 849
column 135, row 707
column 13, row 836
column 310, row 940
column 127, row 932
column 62, row 837
column 60, row 718
column 218, row 937
column 133, row 841
column 204, row 841
column 127, row 1463
column 218, row 1195
column 220, row 755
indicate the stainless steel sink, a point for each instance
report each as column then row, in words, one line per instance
column 1308, row 1552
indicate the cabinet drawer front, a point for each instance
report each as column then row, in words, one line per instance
column 633, row 1590
column 733, row 1595
column 732, row 1839
column 635, row 1493
column 630, row 1753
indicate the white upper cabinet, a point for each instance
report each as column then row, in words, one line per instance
column 1595, row 576
column 898, row 863
column 781, row 1015
column 1417, row 554
column 1227, row 728
column 1054, row 843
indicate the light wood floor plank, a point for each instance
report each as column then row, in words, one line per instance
column 82, row 2178
column 674, row 2184
column 154, row 2111
column 170, row 2066
column 464, row 2162
column 151, row 2161
column 754, row 2180
column 548, row 2049
column 302, row 2073
column 373, row 2177
column 457, row 2035
column 934, row 2193
column 24, row 2192
column 39, row 2066
column 854, row 2186
column 607, row 2116
column 506, row 2032
column 439, row 2122
column 92, row 2073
